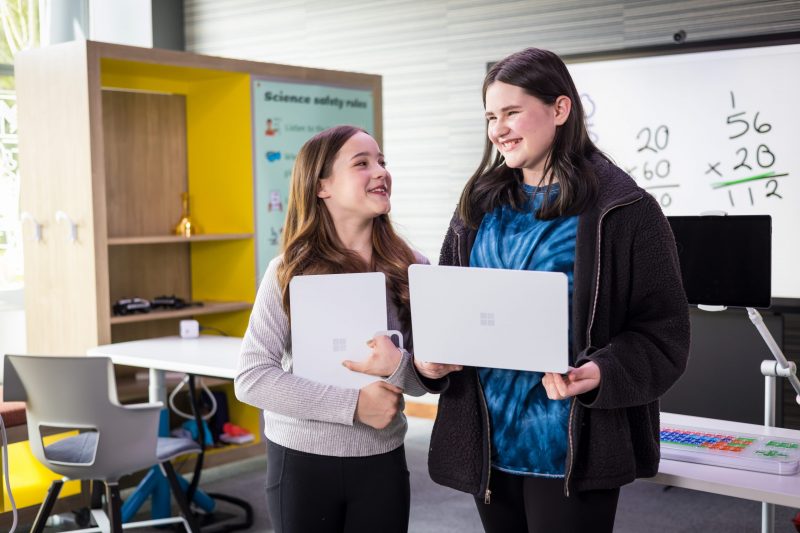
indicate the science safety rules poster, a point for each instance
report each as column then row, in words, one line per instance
column 285, row 116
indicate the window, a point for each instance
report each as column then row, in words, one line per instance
column 10, row 234
column 19, row 30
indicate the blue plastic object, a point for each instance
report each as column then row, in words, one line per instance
column 191, row 426
column 155, row 484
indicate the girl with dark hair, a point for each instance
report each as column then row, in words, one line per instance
column 546, row 452
column 335, row 460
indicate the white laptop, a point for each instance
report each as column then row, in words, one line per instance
column 487, row 317
column 333, row 317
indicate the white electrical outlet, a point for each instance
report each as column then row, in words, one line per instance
column 190, row 329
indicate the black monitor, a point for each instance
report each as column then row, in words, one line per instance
column 725, row 260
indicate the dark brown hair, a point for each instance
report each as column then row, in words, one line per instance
column 310, row 244
column 542, row 74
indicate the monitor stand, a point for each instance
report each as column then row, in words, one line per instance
column 771, row 369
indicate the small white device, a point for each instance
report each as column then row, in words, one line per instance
column 333, row 316
column 489, row 317
column 190, row 329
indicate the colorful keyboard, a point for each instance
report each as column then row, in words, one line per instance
column 743, row 451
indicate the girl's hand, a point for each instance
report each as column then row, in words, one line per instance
column 382, row 362
column 378, row 404
column 435, row 370
column 577, row 381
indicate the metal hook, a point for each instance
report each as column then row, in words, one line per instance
column 73, row 228
column 37, row 228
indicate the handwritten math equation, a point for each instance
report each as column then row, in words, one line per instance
column 747, row 171
column 652, row 168
column 750, row 175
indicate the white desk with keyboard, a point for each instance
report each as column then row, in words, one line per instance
column 750, row 485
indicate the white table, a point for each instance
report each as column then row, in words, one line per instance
column 207, row 355
column 769, row 488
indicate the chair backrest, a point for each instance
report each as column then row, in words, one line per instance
column 80, row 393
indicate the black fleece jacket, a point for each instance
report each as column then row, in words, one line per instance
column 630, row 317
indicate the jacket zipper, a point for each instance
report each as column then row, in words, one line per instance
column 571, row 420
column 487, row 495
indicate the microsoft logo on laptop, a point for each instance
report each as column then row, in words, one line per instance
column 487, row 319
column 339, row 345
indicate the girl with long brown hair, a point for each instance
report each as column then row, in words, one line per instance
column 335, row 457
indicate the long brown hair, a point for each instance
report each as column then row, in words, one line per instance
column 310, row 244
column 542, row 74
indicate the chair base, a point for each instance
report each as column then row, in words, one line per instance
column 47, row 506
column 111, row 521
column 101, row 518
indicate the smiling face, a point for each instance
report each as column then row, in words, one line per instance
column 359, row 186
column 522, row 127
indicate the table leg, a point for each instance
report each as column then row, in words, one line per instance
column 154, row 483
column 157, row 389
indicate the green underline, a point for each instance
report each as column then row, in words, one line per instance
column 720, row 184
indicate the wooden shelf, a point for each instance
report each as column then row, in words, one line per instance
column 421, row 409
column 228, row 454
column 207, row 308
column 133, row 388
column 171, row 239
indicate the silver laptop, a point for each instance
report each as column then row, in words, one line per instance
column 515, row 319
column 333, row 317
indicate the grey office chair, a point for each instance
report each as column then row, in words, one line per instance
column 114, row 440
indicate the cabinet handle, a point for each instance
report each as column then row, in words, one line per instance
column 73, row 228
column 37, row 228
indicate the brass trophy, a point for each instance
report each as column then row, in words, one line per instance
column 187, row 227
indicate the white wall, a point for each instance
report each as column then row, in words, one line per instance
column 122, row 21
column 432, row 55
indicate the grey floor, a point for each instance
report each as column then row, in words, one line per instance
column 644, row 507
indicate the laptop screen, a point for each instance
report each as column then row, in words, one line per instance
column 725, row 260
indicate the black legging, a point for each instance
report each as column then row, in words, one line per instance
column 528, row 504
column 319, row 493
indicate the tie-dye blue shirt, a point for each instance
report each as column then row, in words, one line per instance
column 529, row 431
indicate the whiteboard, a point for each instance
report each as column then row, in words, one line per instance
column 707, row 131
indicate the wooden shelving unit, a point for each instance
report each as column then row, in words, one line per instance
column 177, row 239
column 208, row 308
column 129, row 389
column 137, row 134
column 112, row 136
